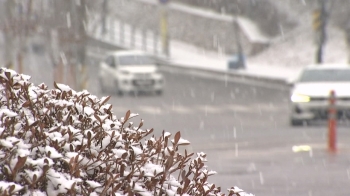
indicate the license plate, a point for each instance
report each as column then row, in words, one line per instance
column 143, row 82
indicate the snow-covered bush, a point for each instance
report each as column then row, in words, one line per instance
column 62, row 142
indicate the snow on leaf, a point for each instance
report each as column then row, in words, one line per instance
column 4, row 72
column 119, row 152
column 173, row 183
column 181, row 141
column 167, row 134
column 137, row 150
column 41, row 162
column 5, row 185
column 212, row 173
column 37, row 193
column 53, row 152
column 31, row 173
column 63, row 87
column 7, row 112
column 150, row 167
column 93, row 184
column 5, row 143
column 88, row 111
column 235, row 190
column 23, row 152
column 140, row 190
column 132, row 115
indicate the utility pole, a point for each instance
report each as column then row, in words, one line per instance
column 347, row 37
column 8, row 33
column 104, row 16
column 81, row 40
column 164, row 26
column 27, row 26
column 70, row 39
column 320, row 16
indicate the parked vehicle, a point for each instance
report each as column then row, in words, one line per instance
column 310, row 93
column 130, row 71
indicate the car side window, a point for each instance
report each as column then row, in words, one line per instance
column 110, row 61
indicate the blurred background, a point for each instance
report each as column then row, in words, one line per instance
column 237, row 113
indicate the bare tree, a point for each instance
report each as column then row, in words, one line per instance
column 8, row 32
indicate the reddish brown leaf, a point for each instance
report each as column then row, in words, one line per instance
column 12, row 187
column 98, row 118
column 127, row 115
column 20, row 163
column 8, row 75
column 55, row 85
column 34, row 178
column 105, row 100
column 177, row 137
column 169, row 162
column 26, row 104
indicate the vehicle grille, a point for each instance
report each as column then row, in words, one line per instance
column 318, row 98
column 323, row 114
column 326, row 98
column 142, row 82
column 143, row 75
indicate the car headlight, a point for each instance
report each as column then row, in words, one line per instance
column 299, row 98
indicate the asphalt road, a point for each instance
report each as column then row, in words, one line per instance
column 243, row 129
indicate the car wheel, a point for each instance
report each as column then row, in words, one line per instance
column 296, row 122
column 118, row 91
column 159, row 92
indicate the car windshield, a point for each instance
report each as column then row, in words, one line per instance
column 135, row 60
column 325, row 75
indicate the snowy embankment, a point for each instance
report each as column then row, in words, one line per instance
column 62, row 142
column 297, row 49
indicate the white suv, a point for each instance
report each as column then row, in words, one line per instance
column 130, row 71
column 311, row 92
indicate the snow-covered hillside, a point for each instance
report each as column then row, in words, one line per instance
column 298, row 49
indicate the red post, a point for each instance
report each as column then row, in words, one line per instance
column 332, row 123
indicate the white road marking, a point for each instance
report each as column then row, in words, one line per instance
column 210, row 109
column 238, row 108
column 151, row 110
column 207, row 109
column 181, row 109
